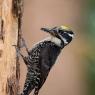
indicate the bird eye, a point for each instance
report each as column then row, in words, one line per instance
column 61, row 32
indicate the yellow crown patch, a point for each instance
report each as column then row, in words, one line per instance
column 65, row 27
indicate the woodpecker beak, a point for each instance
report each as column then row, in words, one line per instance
column 45, row 29
column 51, row 31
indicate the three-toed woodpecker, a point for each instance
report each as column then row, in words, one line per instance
column 43, row 56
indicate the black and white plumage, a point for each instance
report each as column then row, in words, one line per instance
column 43, row 56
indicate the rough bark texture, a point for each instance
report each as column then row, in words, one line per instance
column 9, row 66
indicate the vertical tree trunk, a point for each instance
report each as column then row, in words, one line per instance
column 9, row 68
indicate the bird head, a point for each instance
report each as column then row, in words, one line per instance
column 62, row 32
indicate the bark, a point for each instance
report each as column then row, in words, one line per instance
column 10, row 32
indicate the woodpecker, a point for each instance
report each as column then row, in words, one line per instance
column 42, row 57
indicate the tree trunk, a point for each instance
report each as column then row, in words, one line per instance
column 10, row 32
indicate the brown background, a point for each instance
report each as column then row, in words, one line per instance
column 68, row 74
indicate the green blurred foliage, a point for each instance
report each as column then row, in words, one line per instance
column 90, row 31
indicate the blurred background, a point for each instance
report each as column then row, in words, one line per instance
column 74, row 71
